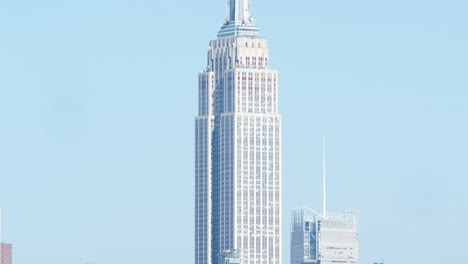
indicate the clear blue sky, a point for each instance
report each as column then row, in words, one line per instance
column 97, row 106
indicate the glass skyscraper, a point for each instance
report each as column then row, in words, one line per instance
column 317, row 239
column 238, row 147
column 303, row 238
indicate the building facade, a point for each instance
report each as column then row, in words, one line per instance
column 324, row 240
column 238, row 147
column 6, row 254
column 303, row 238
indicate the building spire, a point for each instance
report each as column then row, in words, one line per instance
column 238, row 22
column 238, row 11
column 324, row 199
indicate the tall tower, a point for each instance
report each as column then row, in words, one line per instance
column 323, row 238
column 238, row 147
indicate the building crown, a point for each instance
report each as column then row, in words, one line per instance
column 238, row 22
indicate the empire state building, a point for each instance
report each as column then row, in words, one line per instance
column 238, row 148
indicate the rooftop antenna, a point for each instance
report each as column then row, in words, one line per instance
column 324, row 199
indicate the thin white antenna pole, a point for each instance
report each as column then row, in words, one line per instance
column 324, row 199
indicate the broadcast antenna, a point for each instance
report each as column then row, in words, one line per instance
column 324, row 206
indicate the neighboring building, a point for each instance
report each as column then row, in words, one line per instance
column 238, row 147
column 303, row 238
column 6, row 256
column 324, row 240
column 338, row 238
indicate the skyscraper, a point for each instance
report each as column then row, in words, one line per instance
column 238, row 147
column 324, row 240
column 338, row 238
column 303, row 238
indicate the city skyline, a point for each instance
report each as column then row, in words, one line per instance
column 97, row 107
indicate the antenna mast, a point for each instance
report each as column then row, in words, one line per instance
column 324, row 199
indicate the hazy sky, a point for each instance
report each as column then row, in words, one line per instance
column 97, row 107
